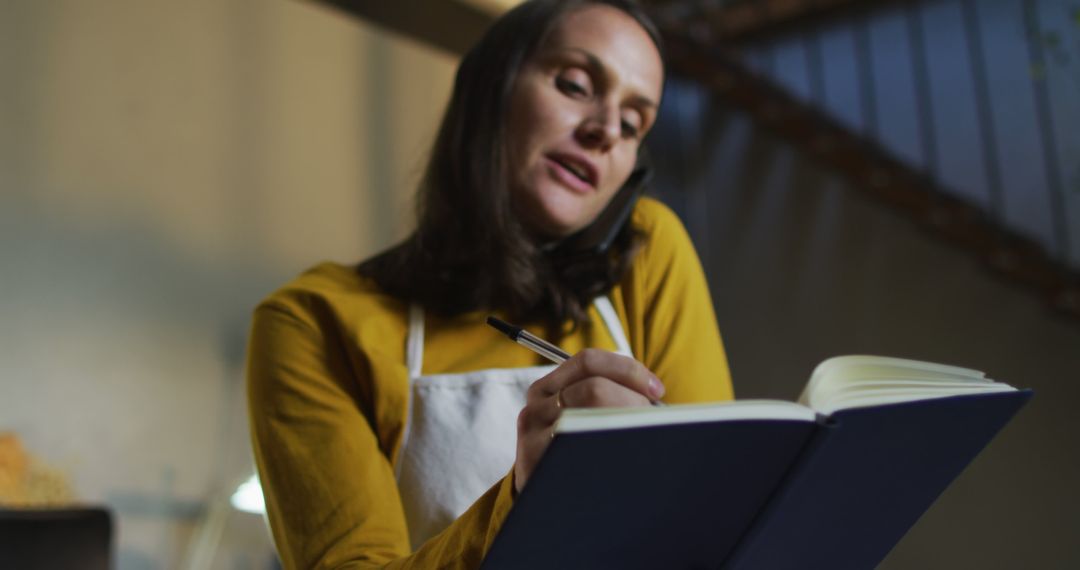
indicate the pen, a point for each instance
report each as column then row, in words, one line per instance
column 536, row 344
column 530, row 341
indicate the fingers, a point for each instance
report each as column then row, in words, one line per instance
column 593, row 363
column 540, row 411
column 596, row 392
column 591, row 378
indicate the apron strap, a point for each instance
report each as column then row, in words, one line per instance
column 614, row 326
column 414, row 346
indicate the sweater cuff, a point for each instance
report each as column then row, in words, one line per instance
column 504, row 500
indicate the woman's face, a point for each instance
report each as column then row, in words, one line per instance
column 578, row 112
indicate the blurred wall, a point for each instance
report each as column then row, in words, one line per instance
column 164, row 165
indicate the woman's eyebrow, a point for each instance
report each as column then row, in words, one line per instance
column 598, row 66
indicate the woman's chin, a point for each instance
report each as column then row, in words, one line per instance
column 551, row 223
column 551, row 228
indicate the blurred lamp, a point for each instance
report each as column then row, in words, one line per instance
column 248, row 497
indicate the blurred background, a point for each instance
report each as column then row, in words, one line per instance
column 899, row 178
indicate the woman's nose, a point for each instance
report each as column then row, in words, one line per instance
column 600, row 128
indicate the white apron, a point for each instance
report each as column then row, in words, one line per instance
column 461, row 430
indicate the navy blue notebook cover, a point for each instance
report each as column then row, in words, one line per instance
column 746, row 494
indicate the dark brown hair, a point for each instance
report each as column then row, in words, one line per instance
column 470, row 251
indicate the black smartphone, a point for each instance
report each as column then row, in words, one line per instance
column 598, row 236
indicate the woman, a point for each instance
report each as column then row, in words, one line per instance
column 391, row 426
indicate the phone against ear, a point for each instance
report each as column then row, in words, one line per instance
column 598, row 236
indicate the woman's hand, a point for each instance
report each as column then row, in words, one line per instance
column 590, row 379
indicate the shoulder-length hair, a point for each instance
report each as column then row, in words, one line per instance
column 469, row 250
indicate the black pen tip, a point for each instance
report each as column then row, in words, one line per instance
column 506, row 328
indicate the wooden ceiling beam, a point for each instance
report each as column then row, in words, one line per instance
column 874, row 170
column 743, row 21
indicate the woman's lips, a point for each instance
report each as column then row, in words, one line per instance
column 558, row 166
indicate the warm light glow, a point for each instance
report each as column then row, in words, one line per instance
column 494, row 7
column 248, row 497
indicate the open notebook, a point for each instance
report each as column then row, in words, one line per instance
column 838, row 383
column 833, row 481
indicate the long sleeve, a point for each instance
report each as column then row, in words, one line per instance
column 331, row 494
column 670, row 314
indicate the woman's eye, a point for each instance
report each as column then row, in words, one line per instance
column 568, row 86
column 629, row 130
column 572, row 86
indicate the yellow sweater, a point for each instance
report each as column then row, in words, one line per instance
column 328, row 393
